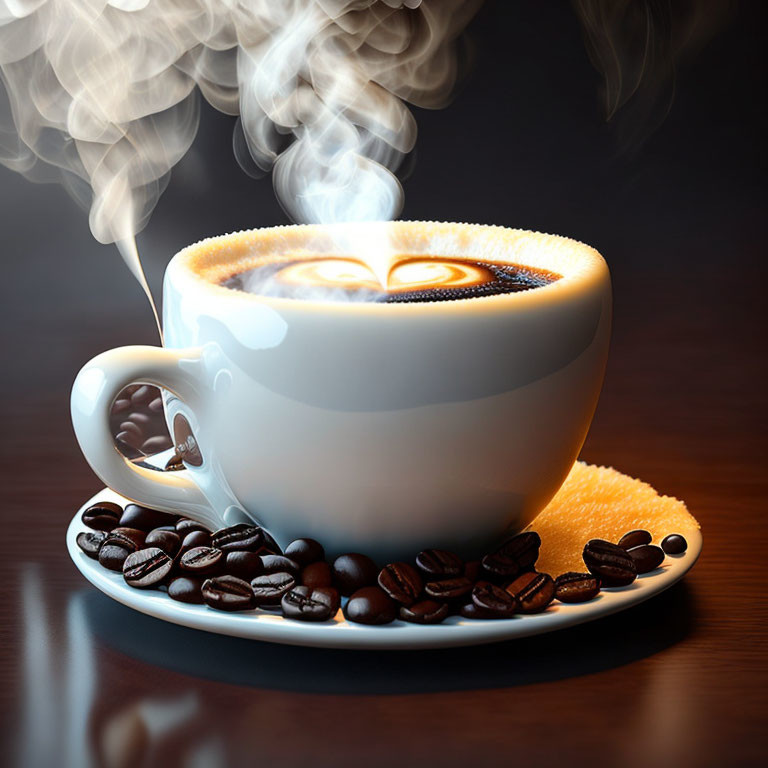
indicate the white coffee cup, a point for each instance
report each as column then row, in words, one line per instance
column 379, row 428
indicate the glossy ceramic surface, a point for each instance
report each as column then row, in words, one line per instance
column 376, row 428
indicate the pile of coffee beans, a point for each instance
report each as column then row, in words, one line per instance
column 137, row 421
column 242, row 567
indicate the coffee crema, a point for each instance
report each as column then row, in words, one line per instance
column 412, row 279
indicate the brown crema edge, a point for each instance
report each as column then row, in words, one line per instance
column 218, row 258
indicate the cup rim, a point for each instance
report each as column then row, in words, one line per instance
column 581, row 266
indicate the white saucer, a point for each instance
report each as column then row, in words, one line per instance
column 399, row 635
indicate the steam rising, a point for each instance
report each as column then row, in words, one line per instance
column 638, row 45
column 102, row 95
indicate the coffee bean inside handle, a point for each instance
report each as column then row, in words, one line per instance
column 185, row 442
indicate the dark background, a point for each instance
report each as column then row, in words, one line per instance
column 680, row 218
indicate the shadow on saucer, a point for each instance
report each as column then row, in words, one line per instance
column 610, row 642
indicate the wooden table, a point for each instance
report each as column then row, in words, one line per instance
column 678, row 681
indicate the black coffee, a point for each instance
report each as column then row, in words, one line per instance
column 413, row 279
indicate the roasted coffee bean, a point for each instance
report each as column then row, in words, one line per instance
column 401, row 582
column 523, row 549
column 499, row 566
column 144, row 518
column 370, row 605
column 244, row 565
column 307, row 604
column 168, row 541
column 647, row 557
column 90, row 542
column 227, row 593
column 143, row 395
column 305, row 551
column 185, row 526
column 352, row 572
column 609, row 562
column 134, row 432
column 195, row 539
column 174, row 464
column 141, row 420
column 317, row 575
column 448, row 589
column 575, row 587
column 186, row 589
column 534, row 591
column 120, row 406
column 242, row 536
column 112, row 556
column 202, row 561
column 102, row 516
column 471, row 611
column 146, row 568
column 279, row 564
column 131, row 539
column 635, row 539
column 494, row 601
column 269, row 545
column 128, row 440
column 424, row 612
column 156, row 444
column 674, row 544
column 472, row 570
column 438, row 563
column 269, row 588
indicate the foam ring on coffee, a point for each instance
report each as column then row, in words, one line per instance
column 411, row 279
column 571, row 265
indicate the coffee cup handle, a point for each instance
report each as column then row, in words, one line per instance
column 95, row 389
